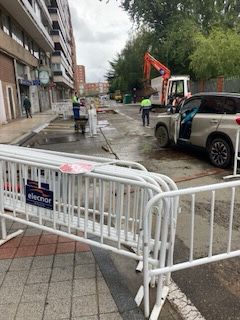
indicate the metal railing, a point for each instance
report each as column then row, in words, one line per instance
column 63, row 108
column 108, row 202
column 236, row 158
column 204, row 200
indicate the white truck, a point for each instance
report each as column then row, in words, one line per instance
column 177, row 86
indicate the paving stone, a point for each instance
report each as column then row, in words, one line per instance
column 35, row 292
column 85, row 271
column 46, row 249
column 39, row 275
column 42, row 262
column 65, row 247
column 106, row 303
column 7, row 253
column 32, row 232
column 10, row 294
column 62, row 273
column 5, row 264
column 59, row 290
column 15, row 278
column 63, row 260
column 85, row 306
column 110, row 316
column 86, row 318
column 30, row 311
column 2, row 275
column 84, row 287
column 27, row 251
column 30, row 241
column 57, row 309
column 8, row 310
column 84, row 258
column 17, row 225
column 21, row 264
column 102, row 286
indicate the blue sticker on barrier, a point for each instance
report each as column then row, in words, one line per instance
column 39, row 197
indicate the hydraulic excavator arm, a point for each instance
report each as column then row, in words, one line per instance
column 161, row 68
column 164, row 72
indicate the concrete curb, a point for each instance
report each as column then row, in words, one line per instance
column 125, row 302
column 24, row 138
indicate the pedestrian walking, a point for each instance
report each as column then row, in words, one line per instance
column 27, row 106
column 145, row 109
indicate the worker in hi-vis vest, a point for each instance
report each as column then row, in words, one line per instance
column 145, row 108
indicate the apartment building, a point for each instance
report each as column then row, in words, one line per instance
column 64, row 55
column 80, row 79
column 25, row 47
column 96, row 88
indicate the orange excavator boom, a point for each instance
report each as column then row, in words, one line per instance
column 161, row 68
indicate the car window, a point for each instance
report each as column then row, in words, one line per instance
column 232, row 105
column 212, row 105
column 190, row 104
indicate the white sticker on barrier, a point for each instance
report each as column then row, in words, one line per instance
column 77, row 168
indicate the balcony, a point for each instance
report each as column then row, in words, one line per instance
column 24, row 14
column 57, row 20
column 62, row 79
column 60, row 43
column 59, row 58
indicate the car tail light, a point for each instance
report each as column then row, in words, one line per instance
column 238, row 120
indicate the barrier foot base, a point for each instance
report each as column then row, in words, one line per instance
column 139, row 296
column 139, row 267
column 157, row 308
column 11, row 236
column 232, row 176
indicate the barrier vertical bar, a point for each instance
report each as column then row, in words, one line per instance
column 231, row 221
column 211, row 224
column 86, row 206
column 192, row 226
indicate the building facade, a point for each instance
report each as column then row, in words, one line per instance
column 80, row 79
column 96, row 88
column 64, row 55
column 25, row 47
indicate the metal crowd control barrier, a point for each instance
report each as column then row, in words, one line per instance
column 108, row 202
column 191, row 201
column 236, row 158
column 63, row 108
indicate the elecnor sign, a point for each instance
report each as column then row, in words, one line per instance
column 39, row 197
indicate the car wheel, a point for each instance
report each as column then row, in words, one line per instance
column 162, row 136
column 220, row 153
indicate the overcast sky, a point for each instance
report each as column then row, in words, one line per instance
column 101, row 31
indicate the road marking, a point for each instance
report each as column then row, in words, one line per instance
column 184, row 306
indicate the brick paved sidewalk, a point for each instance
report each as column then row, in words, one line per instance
column 44, row 276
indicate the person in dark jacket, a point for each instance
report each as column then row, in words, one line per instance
column 27, row 106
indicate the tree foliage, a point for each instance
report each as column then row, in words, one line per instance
column 196, row 37
column 216, row 54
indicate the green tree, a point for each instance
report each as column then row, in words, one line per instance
column 126, row 70
column 216, row 54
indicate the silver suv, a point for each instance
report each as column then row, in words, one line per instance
column 206, row 120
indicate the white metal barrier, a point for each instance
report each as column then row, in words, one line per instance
column 236, row 159
column 208, row 200
column 63, row 108
column 108, row 202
